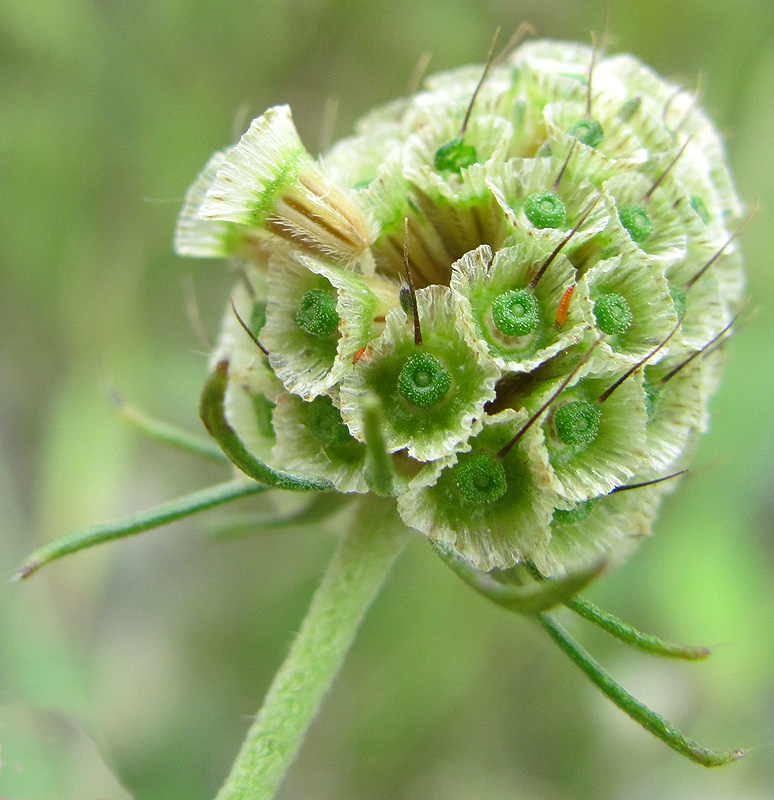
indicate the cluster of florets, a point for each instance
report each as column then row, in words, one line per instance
column 529, row 289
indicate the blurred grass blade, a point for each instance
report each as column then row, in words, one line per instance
column 168, row 434
column 161, row 515
column 631, row 636
column 213, row 416
column 319, row 508
column 379, row 472
column 640, row 713
column 531, row 598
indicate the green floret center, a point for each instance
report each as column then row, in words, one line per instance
column 455, row 155
column 325, row 423
column 577, row 422
column 587, row 131
column 545, row 210
column 578, row 513
column 636, row 220
column 480, row 479
column 515, row 313
column 423, row 381
column 317, row 313
column 613, row 314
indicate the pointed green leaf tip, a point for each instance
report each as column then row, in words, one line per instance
column 588, row 131
column 636, row 220
column 455, row 155
column 545, row 210
column 317, row 313
column 613, row 314
column 480, row 479
column 577, row 422
column 423, row 381
column 515, row 313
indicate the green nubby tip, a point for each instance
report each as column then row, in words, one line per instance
column 679, row 298
column 587, row 131
column 636, row 220
column 423, row 381
column 325, row 423
column 404, row 298
column 317, row 313
column 480, row 479
column 613, row 314
column 455, row 155
column 515, row 313
column 577, row 422
column 699, row 206
column 545, row 210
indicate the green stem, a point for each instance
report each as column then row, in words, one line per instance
column 356, row 572
column 154, row 518
column 639, row 712
column 631, row 636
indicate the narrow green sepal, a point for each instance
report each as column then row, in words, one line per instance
column 529, row 599
column 319, row 508
column 379, row 469
column 629, row 635
column 213, row 416
column 639, row 712
column 168, row 434
column 145, row 521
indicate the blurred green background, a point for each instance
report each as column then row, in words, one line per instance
column 137, row 665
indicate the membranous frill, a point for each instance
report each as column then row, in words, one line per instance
column 530, row 292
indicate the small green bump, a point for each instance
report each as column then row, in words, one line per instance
column 577, row 422
column 587, row 131
column 545, row 210
column 404, row 298
column 698, row 205
column 455, row 155
column 613, row 314
column 679, row 298
column 651, row 395
column 317, row 313
column 576, row 514
column 515, row 313
column 480, row 479
column 629, row 108
column 423, row 381
column 636, row 220
column 325, row 422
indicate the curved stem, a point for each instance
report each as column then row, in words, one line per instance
column 354, row 576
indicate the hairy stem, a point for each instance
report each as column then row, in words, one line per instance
column 354, row 576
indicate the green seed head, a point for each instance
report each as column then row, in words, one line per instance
column 545, row 210
column 613, row 314
column 423, row 381
column 317, row 313
column 577, row 422
column 455, row 155
column 515, row 313
column 588, row 132
column 636, row 220
column 480, row 479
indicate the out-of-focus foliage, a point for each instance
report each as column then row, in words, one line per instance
column 157, row 649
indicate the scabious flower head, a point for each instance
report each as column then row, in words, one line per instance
column 525, row 289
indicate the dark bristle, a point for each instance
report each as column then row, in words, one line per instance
column 489, row 61
column 648, row 483
column 414, row 309
column 247, row 330
column 670, row 166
